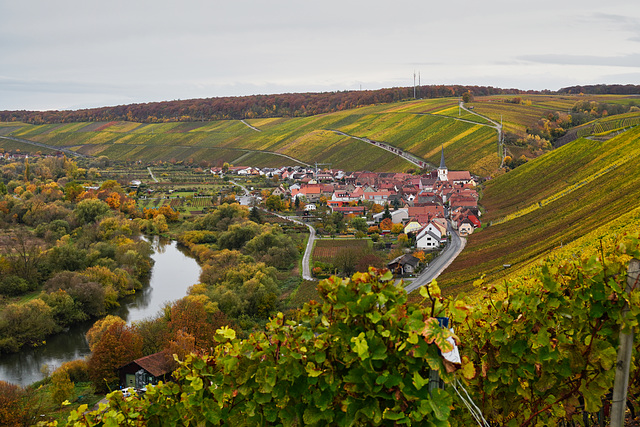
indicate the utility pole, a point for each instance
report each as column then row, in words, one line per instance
column 621, row 382
column 414, row 84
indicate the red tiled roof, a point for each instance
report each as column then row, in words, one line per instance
column 156, row 364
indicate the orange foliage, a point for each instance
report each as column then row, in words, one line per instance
column 386, row 224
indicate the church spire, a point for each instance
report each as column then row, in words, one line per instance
column 443, row 172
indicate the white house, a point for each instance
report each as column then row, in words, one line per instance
column 430, row 237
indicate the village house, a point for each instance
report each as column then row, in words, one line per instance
column 430, row 237
column 465, row 227
column 404, row 264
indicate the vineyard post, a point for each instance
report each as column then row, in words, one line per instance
column 621, row 382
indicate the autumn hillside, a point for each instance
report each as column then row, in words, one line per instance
column 549, row 202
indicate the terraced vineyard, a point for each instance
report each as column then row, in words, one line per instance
column 308, row 139
column 610, row 124
column 419, row 127
column 550, row 202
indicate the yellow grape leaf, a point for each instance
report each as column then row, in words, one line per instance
column 434, row 333
column 468, row 370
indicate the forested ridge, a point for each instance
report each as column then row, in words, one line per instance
column 602, row 89
column 248, row 107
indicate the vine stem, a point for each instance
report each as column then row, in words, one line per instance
column 550, row 405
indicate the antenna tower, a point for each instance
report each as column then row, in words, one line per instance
column 414, row 84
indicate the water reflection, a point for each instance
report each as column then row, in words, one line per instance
column 172, row 274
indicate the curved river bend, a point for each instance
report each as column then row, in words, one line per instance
column 172, row 275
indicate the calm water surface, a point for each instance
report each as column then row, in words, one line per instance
column 172, row 274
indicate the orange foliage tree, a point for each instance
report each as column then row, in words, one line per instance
column 118, row 345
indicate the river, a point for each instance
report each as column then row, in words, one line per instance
column 172, row 274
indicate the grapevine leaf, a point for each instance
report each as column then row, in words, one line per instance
column 434, row 333
column 311, row 370
column 468, row 370
column 360, row 346
column 418, row 381
column 441, row 404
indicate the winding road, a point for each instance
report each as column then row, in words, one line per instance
column 50, row 147
column 151, row 173
column 438, row 265
column 306, row 258
column 415, row 160
column 497, row 126
column 252, row 127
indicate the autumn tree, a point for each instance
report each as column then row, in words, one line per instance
column 386, row 224
column 12, row 409
column 61, row 386
column 118, row 345
column 397, row 228
column 94, row 335
column 197, row 316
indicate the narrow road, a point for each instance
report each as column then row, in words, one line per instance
column 306, row 258
column 415, row 160
column 151, row 173
column 50, row 147
column 438, row 265
column 252, row 127
column 271, row 152
column 497, row 126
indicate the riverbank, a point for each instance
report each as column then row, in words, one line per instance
column 173, row 272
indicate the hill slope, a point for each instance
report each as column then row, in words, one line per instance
column 418, row 127
column 549, row 202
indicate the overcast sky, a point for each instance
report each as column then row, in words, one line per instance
column 68, row 54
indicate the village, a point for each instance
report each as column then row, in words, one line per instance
column 421, row 204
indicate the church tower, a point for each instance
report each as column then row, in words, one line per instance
column 443, row 172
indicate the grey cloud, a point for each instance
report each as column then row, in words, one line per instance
column 631, row 60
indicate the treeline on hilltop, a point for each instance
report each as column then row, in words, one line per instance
column 247, row 107
column 602, row 89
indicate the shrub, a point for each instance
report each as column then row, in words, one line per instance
column 13, row 285
column 78, row 370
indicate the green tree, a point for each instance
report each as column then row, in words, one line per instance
column 386, row 214
column 255, row 215
column 87, row 211
column 25, row 324
column 359, row 224
column 274, row 203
